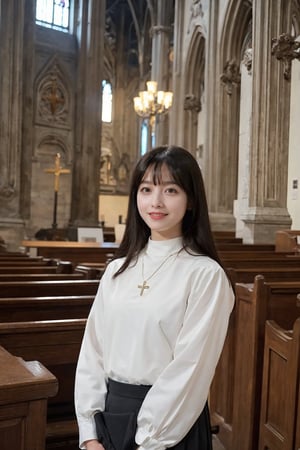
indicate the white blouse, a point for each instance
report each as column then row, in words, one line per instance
column 170, row 337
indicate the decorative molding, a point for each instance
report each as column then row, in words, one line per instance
column 286, row 48
column 7, row 191
column 110, row 33
column 49, row 144
column 192, row 103
column 53, row 98
column 247, row 60
column 231, row 76
column 157, row 29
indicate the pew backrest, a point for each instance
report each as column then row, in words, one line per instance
column 48, row 288
column 247, row 275
column 22, row 309
column 41, row 276
column 56, row 345
column 236, row 405
column 280, row 387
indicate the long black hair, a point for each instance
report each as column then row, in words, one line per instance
column 197, row 236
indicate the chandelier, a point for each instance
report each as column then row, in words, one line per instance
column 152, row 103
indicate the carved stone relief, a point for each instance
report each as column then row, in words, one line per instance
column 196, row 10
column 286, row 48
column 192, row 103
column 53, row 99
column 231, row 77
column 247, row 60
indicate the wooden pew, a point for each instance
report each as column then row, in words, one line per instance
column 280, row 387
column 247, row 275
column 258, row 260
column 48, row 288
column 22, row 258
column 240, row 247
column 56, row 345
column 236, row 388
column 26, row 263
column 22, row 309
column 287, row 241
column 11, row 277
column 36, row 269
column 25, row 387
column 77, row 252
column 297, row 437
column 91, row 271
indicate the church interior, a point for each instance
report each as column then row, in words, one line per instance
column 89, row 86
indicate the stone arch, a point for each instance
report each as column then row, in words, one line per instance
column 51, row 144
column 194, row 88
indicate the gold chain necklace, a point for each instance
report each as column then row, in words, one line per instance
column 145, row 284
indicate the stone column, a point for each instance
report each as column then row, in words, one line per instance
column 160, row 63
column 220, row 144
column 267, row 210
column 13, row 32
column 86, row 167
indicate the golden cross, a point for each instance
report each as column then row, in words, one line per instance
column 57, row 171
column 143, row 286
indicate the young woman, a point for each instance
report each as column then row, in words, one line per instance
column 158, row 323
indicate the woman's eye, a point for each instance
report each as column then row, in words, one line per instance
column 171, row 191
column 144, row 189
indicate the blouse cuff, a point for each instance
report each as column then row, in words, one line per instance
column 148, row 443
column 87, row 431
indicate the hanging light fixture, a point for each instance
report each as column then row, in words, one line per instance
column 152, row 103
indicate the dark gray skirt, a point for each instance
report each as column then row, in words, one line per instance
column 116, row 426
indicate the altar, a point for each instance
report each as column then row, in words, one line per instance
column 76, row 252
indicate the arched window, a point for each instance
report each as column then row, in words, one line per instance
column 106, row 102
column 144, row 138
column 53, row 14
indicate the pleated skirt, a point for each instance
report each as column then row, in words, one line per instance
column 123, row 403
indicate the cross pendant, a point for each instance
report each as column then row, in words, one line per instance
column 143, row 286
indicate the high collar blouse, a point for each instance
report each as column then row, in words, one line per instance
column 169, row 335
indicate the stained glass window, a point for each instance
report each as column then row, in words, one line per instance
column 53, row 14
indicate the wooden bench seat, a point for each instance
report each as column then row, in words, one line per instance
column 48, row 288
column 22, row 309
column 56, row 345
column 236, row 388
column 280, row 388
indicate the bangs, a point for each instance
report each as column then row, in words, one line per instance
column 155, row 170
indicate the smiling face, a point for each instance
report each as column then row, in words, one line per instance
column 162, row 204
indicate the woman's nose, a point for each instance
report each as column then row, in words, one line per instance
column 157, row 200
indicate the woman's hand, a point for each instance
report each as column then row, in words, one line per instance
column 93, row 444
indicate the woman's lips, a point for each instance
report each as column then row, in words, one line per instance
column 157, row 216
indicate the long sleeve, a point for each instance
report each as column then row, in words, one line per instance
column 90, row 384
column 179, row 394
column 170, row 338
